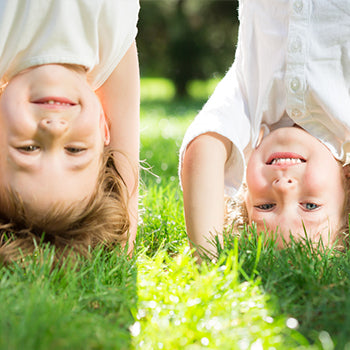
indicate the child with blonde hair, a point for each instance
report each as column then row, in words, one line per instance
column 69, row 124
column 278, row 122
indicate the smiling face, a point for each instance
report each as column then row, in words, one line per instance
column 52, row 134
column 293, row 179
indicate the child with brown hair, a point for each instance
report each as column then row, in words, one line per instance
column 279, row 122
column 69, row 124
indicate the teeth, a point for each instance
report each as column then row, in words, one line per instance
column 286, row 161
column 52, row 102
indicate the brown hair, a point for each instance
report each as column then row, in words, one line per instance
column 73, row 230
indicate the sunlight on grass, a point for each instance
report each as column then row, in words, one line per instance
column 157, row 89
column 199, row 89
column 162, row 89
column 161, row 220
column 183, row 307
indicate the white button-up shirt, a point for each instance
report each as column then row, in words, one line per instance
column 292, row 65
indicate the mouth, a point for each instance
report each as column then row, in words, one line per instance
column 54, row 102
column 285, row 159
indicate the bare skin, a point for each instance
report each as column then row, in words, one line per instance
column 120, row 98
column 203, row 189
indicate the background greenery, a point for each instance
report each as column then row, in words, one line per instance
column 185, row 40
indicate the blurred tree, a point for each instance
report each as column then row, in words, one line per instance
column 187, row 39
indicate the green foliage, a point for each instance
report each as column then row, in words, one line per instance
column 187, row 39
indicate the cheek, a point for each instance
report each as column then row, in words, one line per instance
column 256, row 180
column 6, row 113
column 314, row 182
column 11, row 102
column 328, row 185
column 323, row 180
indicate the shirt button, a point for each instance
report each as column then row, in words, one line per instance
column 295, row 84
column 295, row 46
column 296, row 113
column 298, row 6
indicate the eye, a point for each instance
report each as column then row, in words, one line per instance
column 265, row 207
column 75, row 150
column 29, row 148
column 310, row 206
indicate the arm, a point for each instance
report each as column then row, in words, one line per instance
column 120, row 98
column 203, row 188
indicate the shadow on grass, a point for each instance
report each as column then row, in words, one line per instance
column 88, row 305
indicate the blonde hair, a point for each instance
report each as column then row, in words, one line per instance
column 73, row 230
column 236, row 214
column 342, row 234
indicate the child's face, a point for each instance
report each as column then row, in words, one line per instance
column 52, row 134
column 293, row 179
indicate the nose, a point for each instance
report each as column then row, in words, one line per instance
column 54, row 126
column 284, row 184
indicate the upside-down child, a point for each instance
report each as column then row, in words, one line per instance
column 69, row 124
column 277, row 128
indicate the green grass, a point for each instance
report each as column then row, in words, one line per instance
column 68, row 308
column 253, row 297
column 184, row 307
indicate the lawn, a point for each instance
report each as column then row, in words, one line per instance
column 254, row 297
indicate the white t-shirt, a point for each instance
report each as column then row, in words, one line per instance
column 292, row 65
column 92, row 33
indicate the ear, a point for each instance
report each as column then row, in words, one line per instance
column 107, row 135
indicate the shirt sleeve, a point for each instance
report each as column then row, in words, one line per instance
column 225, row 113
column 117, row 30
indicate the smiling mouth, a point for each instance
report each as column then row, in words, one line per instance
column 285, row 158
column 55, row 101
